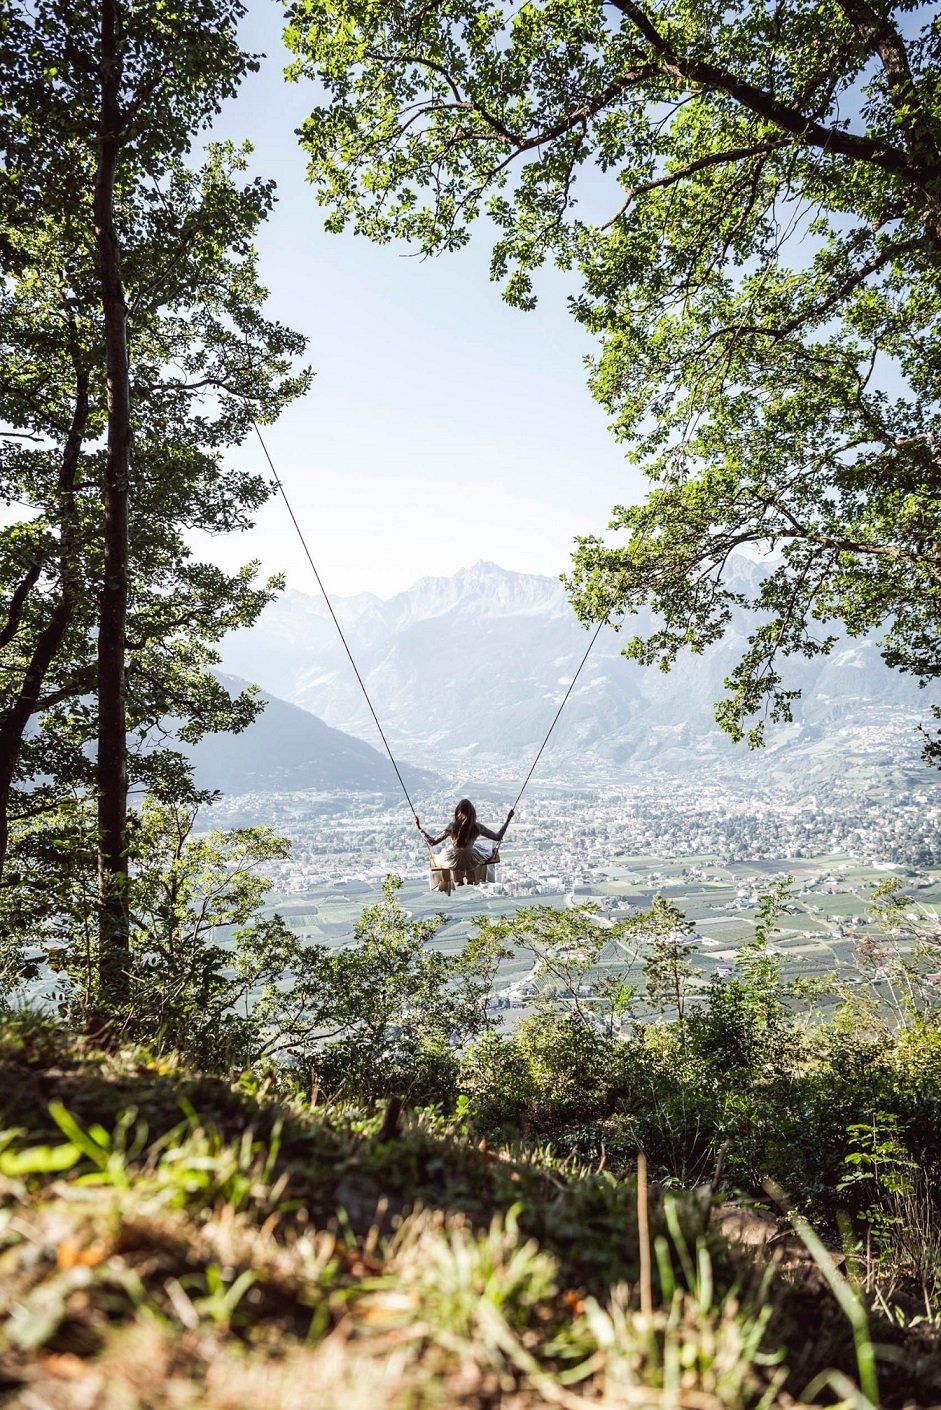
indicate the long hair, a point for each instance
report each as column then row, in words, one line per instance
column 464, row 828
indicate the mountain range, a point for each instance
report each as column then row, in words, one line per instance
column 472, row 667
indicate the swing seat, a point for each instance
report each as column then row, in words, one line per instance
column 446, row 878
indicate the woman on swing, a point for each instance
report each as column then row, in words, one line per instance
column 464, row 861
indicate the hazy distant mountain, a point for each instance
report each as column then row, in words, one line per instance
column 474, row 665
column 287, row 748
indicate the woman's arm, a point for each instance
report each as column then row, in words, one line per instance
column 496, row 836
column 433, row 841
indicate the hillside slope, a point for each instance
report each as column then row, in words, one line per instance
column 287, row 747
column 254, row 1250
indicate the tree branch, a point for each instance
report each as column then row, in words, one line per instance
column 857, row 547
column 80, row 684
column 881, row 36
column 830, row 139
column 18, row 601
column 670, row 178
column 577, row 117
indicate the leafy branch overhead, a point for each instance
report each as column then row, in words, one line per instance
column 750, row 197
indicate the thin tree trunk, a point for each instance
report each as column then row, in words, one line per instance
column 18, row 602
column 18, row 716
column 16, row 719
column 114, row 914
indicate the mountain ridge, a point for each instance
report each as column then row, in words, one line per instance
column 474, row 666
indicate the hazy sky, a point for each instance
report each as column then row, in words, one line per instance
column 442, row 426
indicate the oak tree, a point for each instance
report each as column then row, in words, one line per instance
column 750, row 197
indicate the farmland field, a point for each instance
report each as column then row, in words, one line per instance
column 828, row 916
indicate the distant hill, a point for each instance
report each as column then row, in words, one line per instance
column 472, row 667
column 287, row 747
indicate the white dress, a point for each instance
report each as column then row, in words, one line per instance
column 463, row 866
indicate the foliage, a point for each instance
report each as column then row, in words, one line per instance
column 742, row 1089
column 877, row 1155
column 223, row 1249
column 205, row 965
column 743, row 1083
column 747, row 1021
column 667, row 970
column 135, row 354
column 566, row 947
column 215, row 977
column 757, row 246
column 206, row 362
column 904, row 918
column 903, row 1221
column 900, row 960
column 387, row 1013
column 551, row 1074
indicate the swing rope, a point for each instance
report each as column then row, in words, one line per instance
column 558, row 712
column 362, row 683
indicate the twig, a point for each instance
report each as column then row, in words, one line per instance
column 643, row 1238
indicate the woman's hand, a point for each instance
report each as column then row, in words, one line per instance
column 511, row 814
column 417, row 823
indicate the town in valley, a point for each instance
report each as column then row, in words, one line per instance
column 712, row 847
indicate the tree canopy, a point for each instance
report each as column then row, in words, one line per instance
column 750, row 197
column 135, row 352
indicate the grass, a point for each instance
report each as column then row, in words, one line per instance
column 169, row 1239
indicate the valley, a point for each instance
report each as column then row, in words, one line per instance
column 827, row 935
column 713, row 847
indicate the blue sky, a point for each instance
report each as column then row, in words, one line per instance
column 442, row 427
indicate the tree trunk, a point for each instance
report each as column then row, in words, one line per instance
column 17, row 717
column 113, row 900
